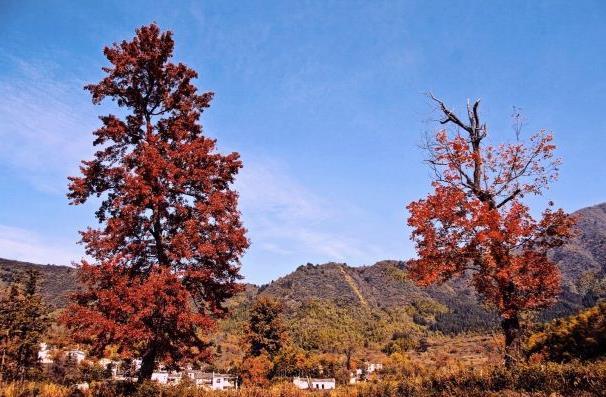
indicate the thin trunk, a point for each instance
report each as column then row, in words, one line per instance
column 148, row 364
column 511, row 330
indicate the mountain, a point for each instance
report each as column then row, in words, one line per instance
column 587, row 251
column 56, row 282
column 383, row 289
column 368, row 286
column 379, row 291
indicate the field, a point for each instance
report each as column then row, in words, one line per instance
column 551, row 380
column 463, row 365
column 466, row 351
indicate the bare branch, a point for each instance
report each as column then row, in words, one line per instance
column 450, row 116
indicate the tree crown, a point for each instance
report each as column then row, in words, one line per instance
column 475, row 222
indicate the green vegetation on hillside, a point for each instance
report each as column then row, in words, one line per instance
column 582, row 336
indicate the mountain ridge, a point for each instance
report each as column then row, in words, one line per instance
column 383, row 285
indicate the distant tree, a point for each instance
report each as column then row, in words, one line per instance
column 423, row 345
column 401, row 342
column 265, row 332
column 290, row 361
column 168, row 247
column 350, row 342
column 592, row 286
column 323, row 326
column 475, row 223
column 23, row 322
column 256, row 370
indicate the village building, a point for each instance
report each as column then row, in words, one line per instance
column 76, row 355
column 314, row 383
column 44, row 354
column 174, row 378
column 160, row 377
column 372, row 367
column 166, row 377
column 212, row 380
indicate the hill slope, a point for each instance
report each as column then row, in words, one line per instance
column 383, row 286
column 56, row 283
column 587, row 251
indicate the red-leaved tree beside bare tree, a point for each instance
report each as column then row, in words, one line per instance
column 169, row 239
column 475, row 222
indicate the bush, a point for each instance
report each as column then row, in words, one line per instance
column 401, row 342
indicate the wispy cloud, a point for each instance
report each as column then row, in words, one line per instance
column 44, row 128
column 45, row 132
column 267, row 190
column 288, row 221
column 25, row 245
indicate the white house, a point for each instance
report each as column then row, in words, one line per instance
column 44, row 354
column 372, row 367
column 76, row 355
column 212, row 380
column 166, row 378
column 324, row 384
column 174, row 378
column 314, row 383
column 160, row 377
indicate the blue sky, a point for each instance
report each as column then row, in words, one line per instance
column 323, row 99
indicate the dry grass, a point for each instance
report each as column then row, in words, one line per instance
column 462, row 351
column 553, row 380
column 38, row 389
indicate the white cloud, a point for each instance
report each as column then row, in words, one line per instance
column 25, row 245
column 44, row 129
column 267, row 190
column 289, row 222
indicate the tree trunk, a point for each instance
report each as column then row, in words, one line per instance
column 148, row 364
column 348, row 355
column 511, row 330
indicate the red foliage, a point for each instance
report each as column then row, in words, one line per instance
column 170, row 235
column 474, row 222
column 256, row 370
column 153, row 301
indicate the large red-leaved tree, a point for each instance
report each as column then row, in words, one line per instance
column 474, row 222
column 169, row 239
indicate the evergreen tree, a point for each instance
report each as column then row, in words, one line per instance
column 265, row 333
column 23, row 322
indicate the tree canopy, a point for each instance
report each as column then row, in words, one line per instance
column 170, row 237
column 475, row 222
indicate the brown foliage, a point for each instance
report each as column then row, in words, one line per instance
column 23, row 322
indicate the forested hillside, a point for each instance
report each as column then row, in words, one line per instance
column 379, row 298
column 587, row 251
column 57, row 282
